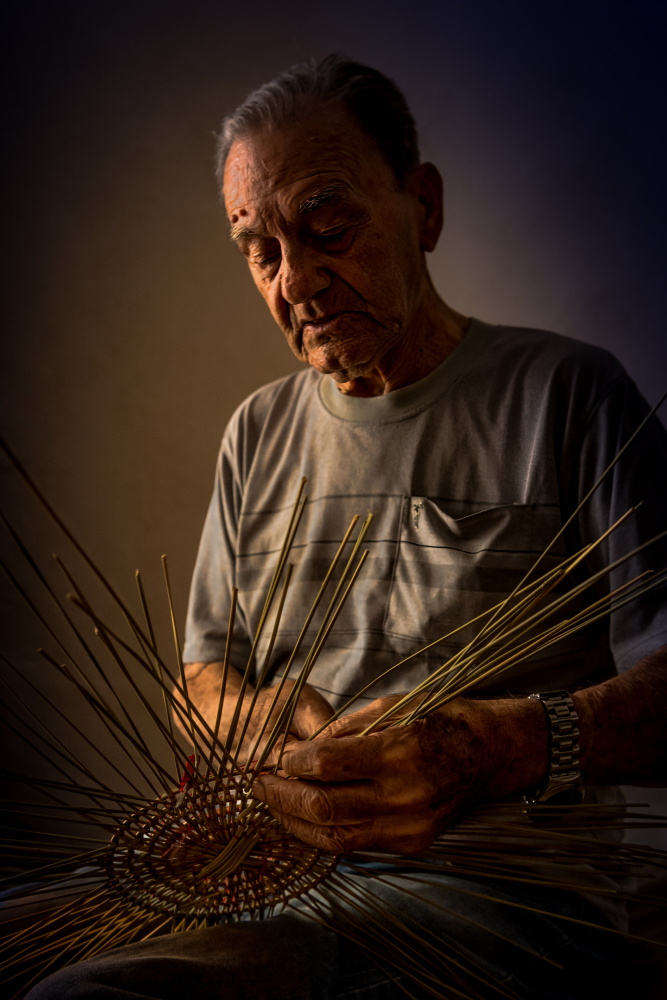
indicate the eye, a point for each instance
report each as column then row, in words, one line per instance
column 336, row 240
column 264, row 256
column 266, row 259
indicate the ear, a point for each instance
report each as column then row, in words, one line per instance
column 428, row 189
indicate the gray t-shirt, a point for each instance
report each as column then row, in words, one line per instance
column 469, row 473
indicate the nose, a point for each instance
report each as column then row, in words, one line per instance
column 302, row 274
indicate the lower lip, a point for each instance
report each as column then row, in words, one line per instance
column 324, row 325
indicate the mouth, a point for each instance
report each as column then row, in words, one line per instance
column 325, row 342
column 335, row 325
column 323, row 325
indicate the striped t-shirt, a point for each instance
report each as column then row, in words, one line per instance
column 469, row 474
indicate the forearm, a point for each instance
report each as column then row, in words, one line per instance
column 622, row 733
column 622, row 726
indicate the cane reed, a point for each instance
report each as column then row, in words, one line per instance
column 170, row 836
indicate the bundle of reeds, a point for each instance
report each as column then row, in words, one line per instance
column 172, row 837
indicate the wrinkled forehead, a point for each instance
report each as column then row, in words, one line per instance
column 320, row 152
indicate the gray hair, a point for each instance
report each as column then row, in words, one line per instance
column 368, row 95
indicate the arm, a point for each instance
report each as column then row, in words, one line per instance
column 398, row 788
column 623, row 737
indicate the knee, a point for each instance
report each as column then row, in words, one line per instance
column 70, row 983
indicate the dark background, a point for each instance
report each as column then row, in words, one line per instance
column 130, row 330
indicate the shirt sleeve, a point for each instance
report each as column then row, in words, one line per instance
column 215, row 568
column 637, row 480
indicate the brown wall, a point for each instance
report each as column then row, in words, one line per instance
column 130, row 328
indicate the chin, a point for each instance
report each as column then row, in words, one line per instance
column 338, row 376
column 341, row 369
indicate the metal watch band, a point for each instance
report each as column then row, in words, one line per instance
column 563, row 778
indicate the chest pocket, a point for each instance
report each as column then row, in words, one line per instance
column 449, row 569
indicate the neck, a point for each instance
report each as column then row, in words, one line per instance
column 433, row 336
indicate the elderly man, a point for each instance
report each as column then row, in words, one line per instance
column 472, row 445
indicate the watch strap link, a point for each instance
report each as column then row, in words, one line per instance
column 563, row 733
column 562, row 780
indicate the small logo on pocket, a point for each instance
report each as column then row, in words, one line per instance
column 416, row 512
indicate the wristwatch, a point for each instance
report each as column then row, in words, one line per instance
column 562, row 785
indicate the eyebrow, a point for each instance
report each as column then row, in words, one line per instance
column 238, row 233
column 331, row 195
column 334, row 194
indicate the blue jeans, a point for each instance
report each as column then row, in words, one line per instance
column 290, row 957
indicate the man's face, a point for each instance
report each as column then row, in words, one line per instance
column 332, row 243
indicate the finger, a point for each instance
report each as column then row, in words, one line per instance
column 336, row 840
column 357, row 722
column 313, row 711
column 274, row 755
column 348, row 758
column 399, row 837
column 321, row 805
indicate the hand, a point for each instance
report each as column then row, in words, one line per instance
column 312, row 712
column 397, row 788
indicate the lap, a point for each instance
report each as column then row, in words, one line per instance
column 493, row 930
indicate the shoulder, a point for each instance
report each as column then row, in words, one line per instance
column 540, row 365
column 266, row 419
column 547, row 351
column 275, row 401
